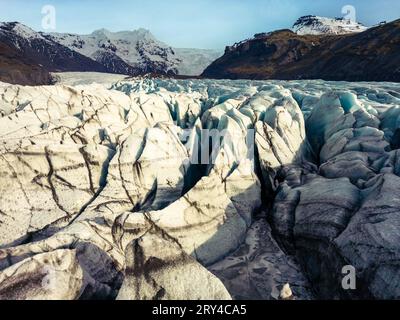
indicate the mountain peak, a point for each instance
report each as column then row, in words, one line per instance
column 124, row 52
column 315, row 25
column 100, row 32
column 138, row 34
column 133, row 36
column 20, row 29
column 142, row 31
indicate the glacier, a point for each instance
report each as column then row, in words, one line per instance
column 101, row 198
column 139, row 49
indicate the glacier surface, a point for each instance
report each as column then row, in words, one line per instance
column 101, row 198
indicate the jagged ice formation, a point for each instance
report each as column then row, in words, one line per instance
column 101, row 198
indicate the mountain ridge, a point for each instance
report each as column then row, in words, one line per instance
column 21, row 46
column 139, row 49
column 307, row 51
column 132, row 53
column 371, row 55
column 316, row 25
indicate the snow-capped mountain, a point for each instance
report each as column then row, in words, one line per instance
column 285, row 55
column 315, row 25
column 136, row 51
column 50, row 54
column 195, row 61
column 19, row 30
column 131, row 53
column 27, row 57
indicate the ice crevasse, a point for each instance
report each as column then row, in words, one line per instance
column 101, row 198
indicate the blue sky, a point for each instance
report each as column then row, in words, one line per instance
column 191, row 23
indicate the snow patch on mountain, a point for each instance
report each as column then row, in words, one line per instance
column 314, row 25
column 139, row 49
column 132, row 53
column 195, row 61
column 20, row 30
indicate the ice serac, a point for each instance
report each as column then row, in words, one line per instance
column 80, row 261
column 370, row 242
column 308, row 218
column 44, row 185
column 280, row 134
column 206, row 227
column 338, row 220
column 112, row 190
column 38, row 282
column 158, row 269
column 259, row 269
column 147, row 171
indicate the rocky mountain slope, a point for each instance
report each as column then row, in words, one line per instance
column 326, row 26
column 17, row 68
column 137, row 52
column 104, row 196
column 371, row 55
column 130, row 53
column 23, row 50
column 27, row 56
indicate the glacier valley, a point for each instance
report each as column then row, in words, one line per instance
column 99, row 197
